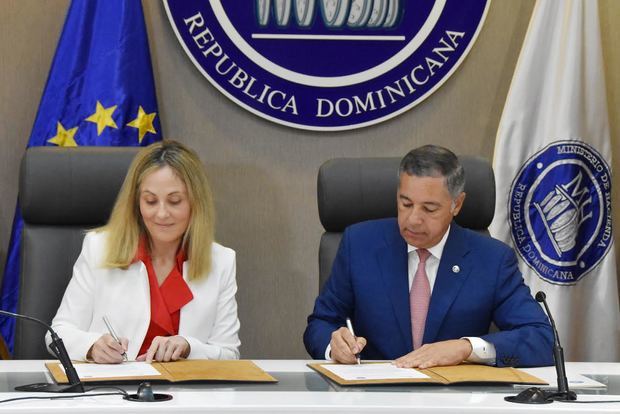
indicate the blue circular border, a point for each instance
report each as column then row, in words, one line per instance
column 525, row 178
column 457, row 16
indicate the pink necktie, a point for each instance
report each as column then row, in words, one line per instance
column 419, row 298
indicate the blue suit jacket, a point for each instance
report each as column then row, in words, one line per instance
column 369, row 284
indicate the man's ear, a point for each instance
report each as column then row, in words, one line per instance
column 457, row 203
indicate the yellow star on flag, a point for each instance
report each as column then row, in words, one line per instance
column 64, row 138
column 144, row 123
column 103, row 117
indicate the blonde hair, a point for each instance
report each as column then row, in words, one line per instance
column 125, row 225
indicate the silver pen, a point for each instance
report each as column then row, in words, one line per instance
column 350, row 328
column 113, row 333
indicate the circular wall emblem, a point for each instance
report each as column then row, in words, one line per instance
column 327, row 64
column 560, row 211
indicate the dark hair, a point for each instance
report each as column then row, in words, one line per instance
column 435, row 161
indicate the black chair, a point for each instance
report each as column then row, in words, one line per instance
column 62, row 193
column 351, row 190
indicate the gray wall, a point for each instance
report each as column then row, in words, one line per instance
column 263, row 174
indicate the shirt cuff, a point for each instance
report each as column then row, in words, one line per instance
column 328, row 352
column 482, row 352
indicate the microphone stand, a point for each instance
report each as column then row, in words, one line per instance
column 58, row 347
column 535, row 395
column 145, row 391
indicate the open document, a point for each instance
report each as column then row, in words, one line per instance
column 178, row 371
column 386, row 373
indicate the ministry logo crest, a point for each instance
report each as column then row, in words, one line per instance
column 560, row 211
column 327, row 64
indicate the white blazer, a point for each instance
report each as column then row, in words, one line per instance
column 208, row 322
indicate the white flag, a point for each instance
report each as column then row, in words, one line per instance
column 552, row 165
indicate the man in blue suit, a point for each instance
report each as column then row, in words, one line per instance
column 423, row 291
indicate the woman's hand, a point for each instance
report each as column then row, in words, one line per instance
column 106, row 350
column 166, row 348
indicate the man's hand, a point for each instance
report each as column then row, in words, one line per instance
column 106, row 350
column 443, row 353
column 344, row 346
column 165, row 349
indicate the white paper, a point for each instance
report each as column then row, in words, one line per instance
column 549, row 375
column 580, row 381
column 381, row 371
column 125, row 369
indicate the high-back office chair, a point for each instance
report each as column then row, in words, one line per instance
column 62, row 193
column 351, row 190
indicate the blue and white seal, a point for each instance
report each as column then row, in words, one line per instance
column 560, row 211
column 327, row 64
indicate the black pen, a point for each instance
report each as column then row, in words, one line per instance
column 350, row 328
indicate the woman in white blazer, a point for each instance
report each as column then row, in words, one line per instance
column 154, row 271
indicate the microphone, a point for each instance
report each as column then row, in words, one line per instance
column 563, row 393
column 145, row 394
column 58, row 347
column 535, row 395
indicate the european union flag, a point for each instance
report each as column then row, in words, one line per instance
column 100, row 91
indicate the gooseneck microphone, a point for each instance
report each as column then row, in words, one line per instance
column 58, row 347
column 535, row 395
column 558, row 355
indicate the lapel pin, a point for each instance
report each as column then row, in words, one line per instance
column 455, row 269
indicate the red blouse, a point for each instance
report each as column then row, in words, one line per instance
column 167, row 299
